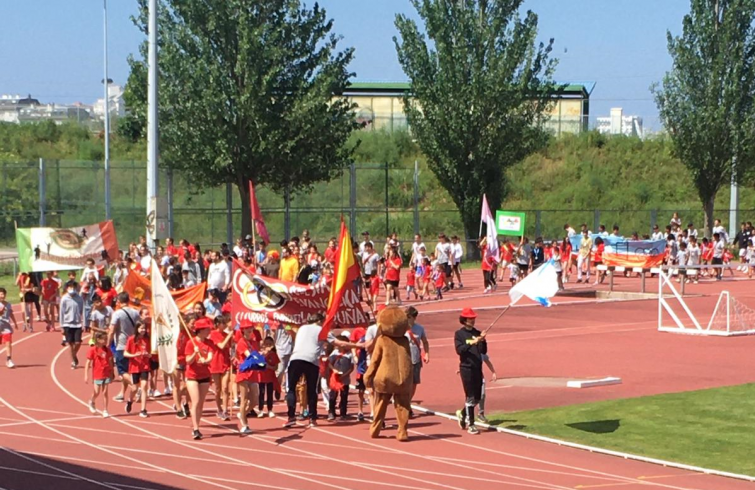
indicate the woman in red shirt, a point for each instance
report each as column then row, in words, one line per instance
column 248, row 387
column 138, row 354
column 199, row 354
column 179, row 376
column 392, row 276
column 220, row 367
column 566, row 258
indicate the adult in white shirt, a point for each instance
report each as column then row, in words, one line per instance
column 717, row 228
column 718, row 252
column 238, row 249
column 218, row 276
column 657, row 234
column 569, row 230
column 456, row 253
column 145, row 260
column 443, row 254
column 691, row 231
column 365, row 241
column 305, row 360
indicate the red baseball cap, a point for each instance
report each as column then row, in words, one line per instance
column 468, row 313
column 203, row 323
column 226, row 309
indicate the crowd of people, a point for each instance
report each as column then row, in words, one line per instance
column 212, row 347
column 683, row 248
column 91, row 306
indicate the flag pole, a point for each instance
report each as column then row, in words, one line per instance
column 497, row 318
column 254, row 224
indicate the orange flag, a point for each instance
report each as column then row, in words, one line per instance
column 345, row 278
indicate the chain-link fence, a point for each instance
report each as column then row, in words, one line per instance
column 370, row 197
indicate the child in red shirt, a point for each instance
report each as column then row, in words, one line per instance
column 411, row 280
column 267, row 378
column 199, row 354
column 220, row 367
column 50, row 298
column 139, row 356
column 100, row 358
column 248, row 389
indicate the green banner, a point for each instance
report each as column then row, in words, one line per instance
column 509, row 223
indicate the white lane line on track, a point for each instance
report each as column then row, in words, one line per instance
column 29, row 337
column 530, row 483
column 182, row 444
column 64, row 477
column 626, row 479
column 65, row 472
column 94, row 446
column 26, row 422
column 349, row 463
column 93, row 461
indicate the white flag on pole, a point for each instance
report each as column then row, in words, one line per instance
column 491, row 232
column 166, row 324
column 540, row 285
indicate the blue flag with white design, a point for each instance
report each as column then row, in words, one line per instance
column 540, row 286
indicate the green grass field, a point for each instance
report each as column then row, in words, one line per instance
column 709, row 428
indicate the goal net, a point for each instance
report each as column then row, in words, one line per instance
column 730, row 317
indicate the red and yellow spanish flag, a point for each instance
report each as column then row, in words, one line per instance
column 345, row 278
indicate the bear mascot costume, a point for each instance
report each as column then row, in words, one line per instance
column 390, row 372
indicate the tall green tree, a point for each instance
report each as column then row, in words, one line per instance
column 706, row 100
column 480, row 89
column 247, row 93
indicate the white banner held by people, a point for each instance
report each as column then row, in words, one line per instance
column 166, row 324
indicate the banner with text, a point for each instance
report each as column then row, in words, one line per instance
column 55, row 249
column 260, row 299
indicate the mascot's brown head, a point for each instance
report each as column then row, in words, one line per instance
column 392, row 322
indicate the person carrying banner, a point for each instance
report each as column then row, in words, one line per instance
column 305, row 361
column 470, row 346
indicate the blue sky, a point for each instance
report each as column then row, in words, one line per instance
column 52, row 49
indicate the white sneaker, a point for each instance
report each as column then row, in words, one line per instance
column 260, row 414
column 271, row 414
column 9, row 364
column 92, row 408
column 105, row 414
column 168, row 391
column 220, row 414
column 157, row 394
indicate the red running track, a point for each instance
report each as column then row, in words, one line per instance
column 49, row 440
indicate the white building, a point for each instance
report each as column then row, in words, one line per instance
column 11, row 107
column 618, row 123
column 115, row 99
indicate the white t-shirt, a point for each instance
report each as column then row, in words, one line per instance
column 681, row 257
column 307, row 346
column 658, row 236
column 721, row 232
column 718, row 249
column 458, row 252
column 416, row 246
column 218, row 276
column 694, row 255
column 443, row 252
column 86, row 273
column 370, row 334
column 145, row 262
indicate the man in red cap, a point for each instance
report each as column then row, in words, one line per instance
column 470, row 346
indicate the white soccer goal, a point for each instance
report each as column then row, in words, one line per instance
column 730, row 317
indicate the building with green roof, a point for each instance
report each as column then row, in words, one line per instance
column 380, row 105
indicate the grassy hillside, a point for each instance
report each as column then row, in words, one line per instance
column 625, row 178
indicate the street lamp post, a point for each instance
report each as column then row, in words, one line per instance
column 106, row 83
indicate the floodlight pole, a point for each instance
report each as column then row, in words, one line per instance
column 734, row 202
column 152, row 146
column 106, row 82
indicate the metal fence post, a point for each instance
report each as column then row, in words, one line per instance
column 537, row 223
column 229, row 214
column 416, row 197
column 653, row 219
column 170, row 203
column 387, row 218
column 596, row 220
column 287, row 215
column 42, row 192
column 353, row 198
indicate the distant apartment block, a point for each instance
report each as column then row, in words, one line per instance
column 18, row 109
column 618, row 123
